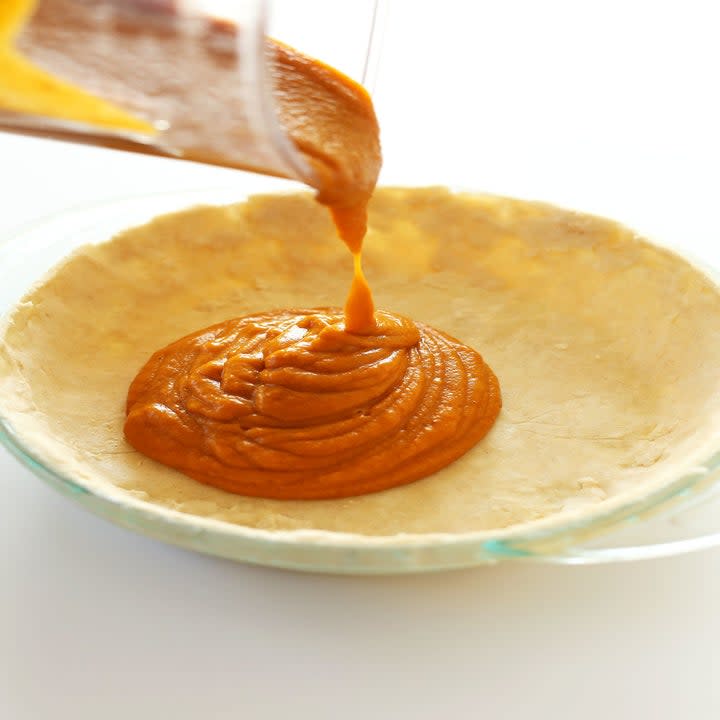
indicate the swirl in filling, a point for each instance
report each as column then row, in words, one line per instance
column 288, row 404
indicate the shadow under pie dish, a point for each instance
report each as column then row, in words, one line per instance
column 606, row 347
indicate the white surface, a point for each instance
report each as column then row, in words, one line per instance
column 614, row 112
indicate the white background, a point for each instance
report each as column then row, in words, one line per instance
column 610, row 107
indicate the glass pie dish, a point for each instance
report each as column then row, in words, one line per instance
column 680, row 516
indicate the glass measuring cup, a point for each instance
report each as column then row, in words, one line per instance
column 196, row 79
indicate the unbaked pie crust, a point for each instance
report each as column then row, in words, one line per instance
column 607, row 349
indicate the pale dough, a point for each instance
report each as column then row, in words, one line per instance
column 607, row 349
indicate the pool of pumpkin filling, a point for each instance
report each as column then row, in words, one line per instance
column 606, row 348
